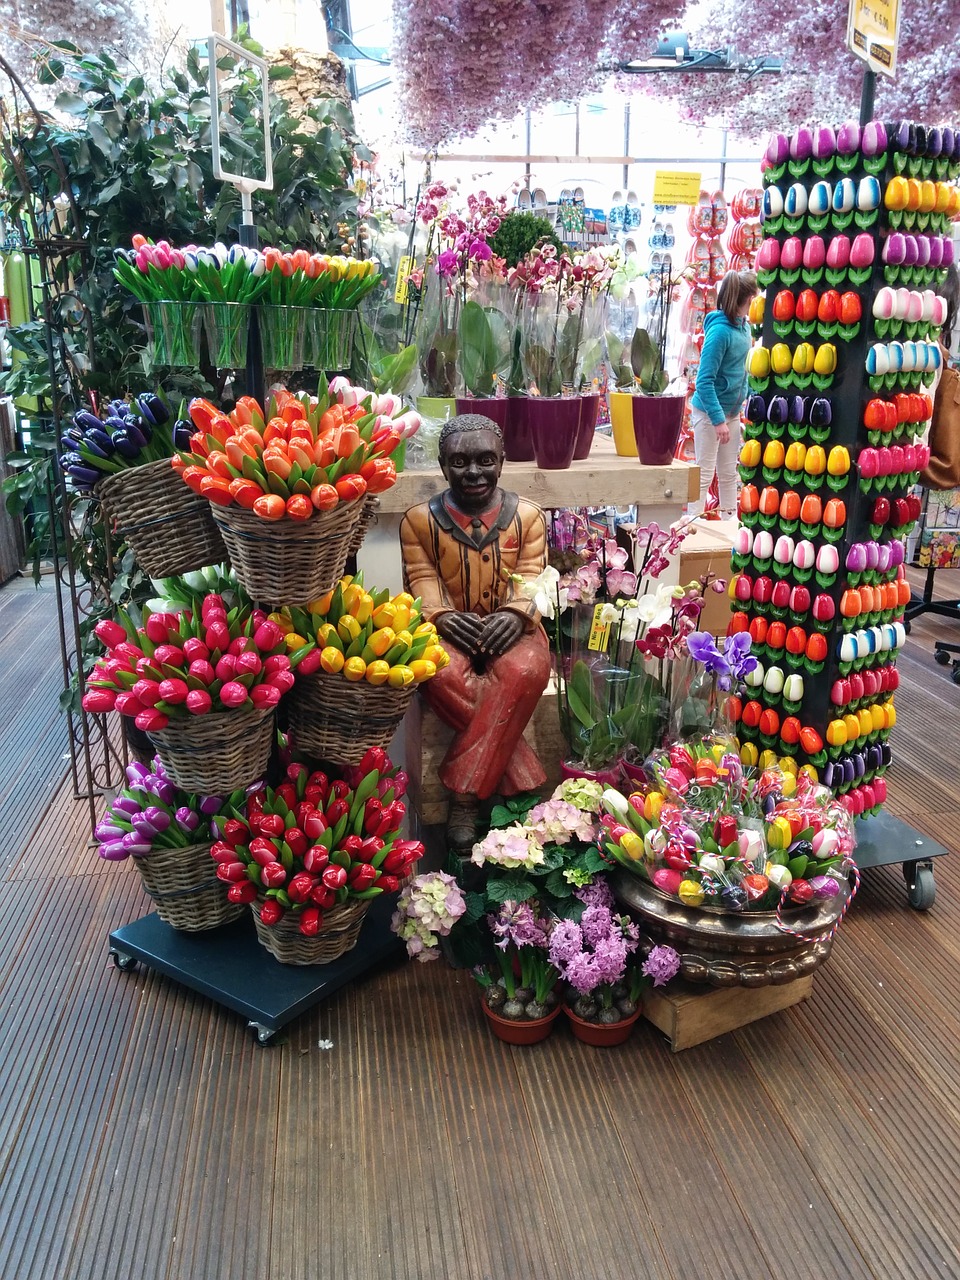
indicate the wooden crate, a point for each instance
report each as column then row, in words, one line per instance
column 688, row 1014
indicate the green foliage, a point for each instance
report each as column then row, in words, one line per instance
column 139, row 161
column 375, row 368
column 519, row 232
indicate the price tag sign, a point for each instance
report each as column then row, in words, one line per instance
column 599, row 632
column 873, row 33
column 401, row 290
column 675, row 186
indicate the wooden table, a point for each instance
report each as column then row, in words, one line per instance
column 603, row 479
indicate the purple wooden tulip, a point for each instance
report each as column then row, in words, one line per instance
column 158, row 818
column 873, row 756
column 848, row 138
column 209, row 805
column 911, row 251
column 135, row 844
column 801, row 143
column 897, row 553
column 165, row 791
column 919, row 139
column 901, row 139
column 821, row 412
column 126, row 805
column 824, row 142
column 777, row 410
column 143, row 827
column 859, row 764
column 886, row 755
column 934, row 143
column 883, row 557
column 947, row 141
column 113, row 851
column 873, row 140
column 947, row 258
column 936, row 250
column 856, row 561
column 107, row 831
column 136, row 773
column 923, row 250
column 797, row 408
column 187, row 818
column 777, row 149
column 832, row 775
column 894, row 249
column 872, row 552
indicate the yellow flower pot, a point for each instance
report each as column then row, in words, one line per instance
column 621, row 420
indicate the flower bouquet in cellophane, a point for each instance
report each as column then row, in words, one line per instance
column 707, row 834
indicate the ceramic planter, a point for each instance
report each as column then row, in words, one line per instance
column 555, row 426
column 656, row 427
column 589, row 408
column 621, row 421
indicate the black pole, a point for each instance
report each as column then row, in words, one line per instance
column 867, row 95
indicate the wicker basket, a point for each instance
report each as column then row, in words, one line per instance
column 334, row 719
column 289, row 561
column 285, row 942
column 368, row 516
column 217, row 753
column 169, row 527
column 185, row 889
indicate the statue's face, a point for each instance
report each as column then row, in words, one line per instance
column 472, row 462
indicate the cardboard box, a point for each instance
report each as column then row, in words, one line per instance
column 704, row 551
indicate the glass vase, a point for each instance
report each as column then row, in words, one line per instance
column 227, row 326
column 173, row 328
column 281, row 336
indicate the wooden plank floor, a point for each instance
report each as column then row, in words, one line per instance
column 143, row 1133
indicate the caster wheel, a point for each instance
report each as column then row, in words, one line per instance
column 265, row 1036
column 955, row 675
column 907, row 626
column 921, row 889
column 941, row 658
column 125, row 963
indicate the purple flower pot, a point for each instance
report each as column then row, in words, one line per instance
column 656, row 425
column 555, row 426
column 498, row 410
column 589, row 408
column 517, row 436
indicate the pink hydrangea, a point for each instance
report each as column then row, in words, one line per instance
column 558, row 822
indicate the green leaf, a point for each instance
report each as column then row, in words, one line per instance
column 279, row 72
column 511, row 890
column 476, row 906
column 501, row 816
column 557, row 887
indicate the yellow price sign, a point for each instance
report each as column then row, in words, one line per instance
column 599, row 632
column 401, row 290
column 873, row 33
column 675, row 186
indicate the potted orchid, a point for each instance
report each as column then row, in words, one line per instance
column 561, row 307
column 455, row 250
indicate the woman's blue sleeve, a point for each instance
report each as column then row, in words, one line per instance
column 711, row 358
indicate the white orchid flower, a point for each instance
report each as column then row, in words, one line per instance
column 655, row 609
column 544, row 591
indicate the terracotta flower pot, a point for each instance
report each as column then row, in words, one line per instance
column 589, row 408
column 520, row 1031
column 602, row 1034
column 656, row 425
column 555, row 427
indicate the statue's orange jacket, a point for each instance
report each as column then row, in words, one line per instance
column 452, row 570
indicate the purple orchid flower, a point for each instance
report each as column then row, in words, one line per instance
column 447, row 263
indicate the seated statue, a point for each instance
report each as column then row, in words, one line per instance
column 460, row 552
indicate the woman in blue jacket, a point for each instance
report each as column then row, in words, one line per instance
column 720, row 390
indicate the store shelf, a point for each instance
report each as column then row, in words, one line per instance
column 603, row 478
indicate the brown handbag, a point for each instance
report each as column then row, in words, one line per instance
column 943, row 469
